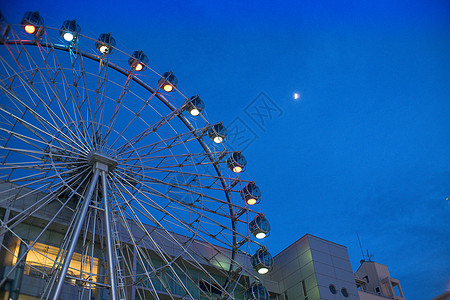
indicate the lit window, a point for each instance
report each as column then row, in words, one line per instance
column 41, row 258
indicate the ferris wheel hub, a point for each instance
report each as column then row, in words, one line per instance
column 101, row 161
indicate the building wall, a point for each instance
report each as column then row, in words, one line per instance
column 306, row 269
column 293, row 269
column 368, row 296
column 332, row 267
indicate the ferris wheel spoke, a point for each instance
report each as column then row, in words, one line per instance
column 16, row 53
column 52, row 83
column 117, row 108
column 36, row 239
column 191, row 207
column 217, row 156
column 69, row 236
column 192, row 204
column 41, row 120
column 149, row 130
column 66, row 87
column 122, row 184
column 79, row 100
column 194, row 263
column 37, row 166
column 159, row 250
column 193, row 177
column 84, row 209
column 102, row 81
column 163, row 144
column 146, row 179
column 144, row 211
column 87, row 254
column 66, row 126
column 34, row 180
column 34, row 130
column 135, row 116
column 184, row 160
column 41, row 203
column 141, row 253
column 28, row 86
column 32, row 153
column 82, row 99
column 29, row 140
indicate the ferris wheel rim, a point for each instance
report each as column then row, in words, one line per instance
column 161, row 98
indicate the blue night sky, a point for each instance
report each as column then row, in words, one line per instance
column 365, row 149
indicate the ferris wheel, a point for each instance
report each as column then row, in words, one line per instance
column 113, row 184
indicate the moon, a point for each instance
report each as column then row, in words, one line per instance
column 296, row 96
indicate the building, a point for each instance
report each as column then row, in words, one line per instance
column 313, row 268
column 375, row 283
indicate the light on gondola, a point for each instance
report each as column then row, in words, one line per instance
column 138, row 60
column 236, row 162
column 217, row 133
column 70, row 30
column 262, row 261
column 105, row 43
column 168, row 81
column 32, row 23
column 68, row 36
column 194, row 105
column 260, row 235
column 259, row 227
column 257, row 291
column 30, row 29
column 251, row 194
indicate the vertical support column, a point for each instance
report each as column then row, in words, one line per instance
column 109, row 241
column 4, row 221
column 76, row 234
column 133, row 287
column 14, row 290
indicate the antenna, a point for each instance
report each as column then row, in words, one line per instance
column 362, row 252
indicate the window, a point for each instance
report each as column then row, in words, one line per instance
column 304, row 290
column 332, row 289
column 41, row 258
column 209, row 287
column 397, row 291
column 344, row 292
column 377, row 290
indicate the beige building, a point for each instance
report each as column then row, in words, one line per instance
column 375, row 283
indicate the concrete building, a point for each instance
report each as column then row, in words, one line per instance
column 313, row 268
column 375, row 283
